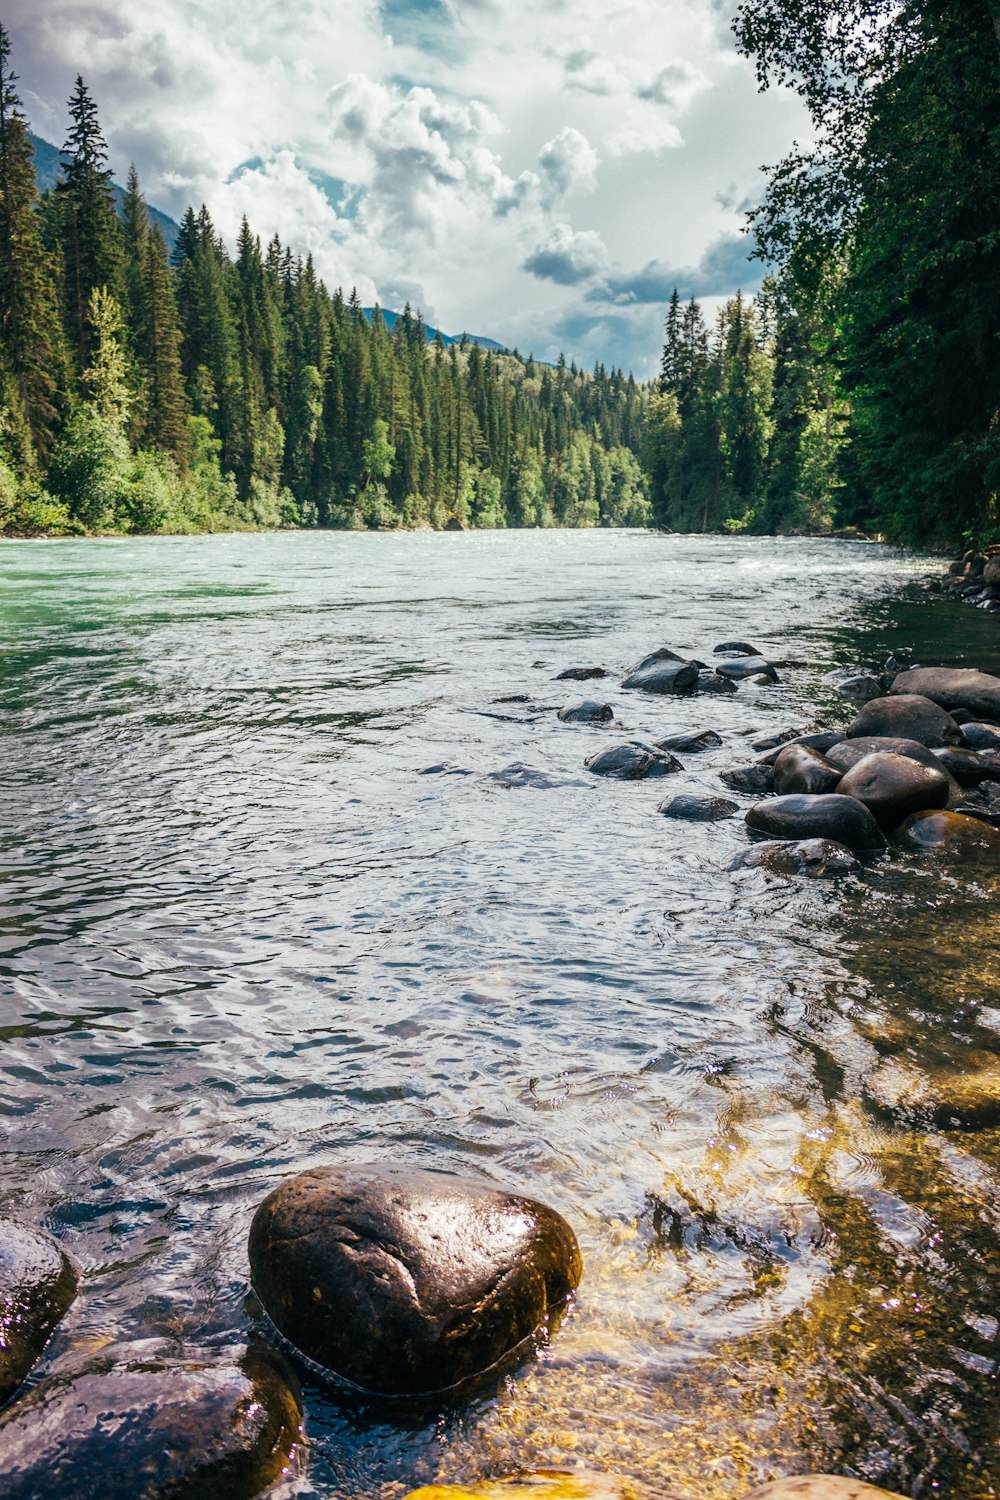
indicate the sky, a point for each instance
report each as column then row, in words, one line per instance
column 541, row 172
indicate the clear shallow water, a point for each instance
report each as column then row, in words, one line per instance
column 244, row 930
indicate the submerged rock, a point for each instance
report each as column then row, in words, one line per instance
column 756, row 779
column 407, row 1282
column 542, row 1484
column 951, row 833
column 698, row 809
column 690, row 744
column 815, row 858
column 735, row 648
column 517, row 774
column 892, row 786
column 37, row 1285
column 711, row 682
column 130, row 1424
column 801, row 769
column 953, row 687
column 835, row 817
column 580, row 674
column 662, row 672
column 980, row 736
column 587, row 712
column 632, row 761
column 820, row 1487
column 906, row 716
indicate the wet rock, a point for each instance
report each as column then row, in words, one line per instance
column 892, row 786
column 690, row 744
column 776, row 741
column 983, row 802
column 814, row 858
column 580, row 674
column 735, row 648
column 519, row 775
column 856, row 687
column 37, row 1285
column 746, row 666
column 711, row 682
column 991, row 571
column 979, row 736
column 832, row 816
column 906, row 716
column 587, row 712
column 407, row 1282
column 130, row 1424
column 951, row 833
column 820, row 1487
column 765, row 679
column 953, row 687
column 632, row 760
column 823, row 742
column 662, row 673
column 968, row 767
column 444, row 768
column 801, row 769
column 542, row 1484
column 756, row 780
column 698, row 809
column 848, row 753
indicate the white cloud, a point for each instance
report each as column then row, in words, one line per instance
column 568, row 164
column 569, row 257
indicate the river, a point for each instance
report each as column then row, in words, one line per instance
column 262, row 908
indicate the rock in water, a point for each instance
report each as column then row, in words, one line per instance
column 951, row 833
column 698, row 809
column 130, row 1425
column 849, row 752
column 856, row 687
column 906, row 716
column 632, row 761
column 580, row 674
column 407, row 1282
column 735, row 648
column 815, row 858
column 841, row 819
column 969, row 767
column 800, row 769
column 711, row 682
column 587, row 712
column 37, row 1285
column 542, row 1484
column 823, row 742
column 892, row 786
column 820, row 1487
column 746, row 666
column 662, row 672
column 982, row 736
column 756, row 779
column 690, row 744
column 953, row 687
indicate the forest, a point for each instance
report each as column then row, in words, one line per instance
column 146, row 390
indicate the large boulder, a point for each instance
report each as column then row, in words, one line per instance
column 906, row 716
column 133, row 1424
column 587, row 712
column 695, row 809
column 37, row 1285
column 632, row 760
column 953, row 687
column 849, row 752
column 407, row 1282
column 893, row 786
column 951, row 833
column 968, row 767
column 662, row 672
column 823, row 741
column 835, row 817
column 800, row 769
column 991, row 572
column 815, row 858
column 820, row 1487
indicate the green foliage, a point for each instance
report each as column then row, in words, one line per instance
column 28, row 510
column 91, row 470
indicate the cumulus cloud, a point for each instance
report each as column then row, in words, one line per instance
column 568, row 257
column 724, row 269
column 568, row 164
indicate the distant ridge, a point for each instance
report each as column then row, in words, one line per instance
column 391, row 318
column 48, row 170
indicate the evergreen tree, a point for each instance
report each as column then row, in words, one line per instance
column 90, row 231
column 167, row 411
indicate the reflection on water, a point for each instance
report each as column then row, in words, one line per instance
column 241, row 934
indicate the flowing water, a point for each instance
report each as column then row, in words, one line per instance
column 262, row 906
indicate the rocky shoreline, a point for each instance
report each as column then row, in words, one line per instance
column 974, row 578
column 400, row 1283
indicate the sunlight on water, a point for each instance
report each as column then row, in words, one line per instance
column 245, row 929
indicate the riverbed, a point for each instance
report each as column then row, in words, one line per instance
column 263, row 906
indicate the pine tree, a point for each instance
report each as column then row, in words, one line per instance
column 33, row 360
column 91, row 234
column 159, row 347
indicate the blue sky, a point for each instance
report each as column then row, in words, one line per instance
column 539, row 171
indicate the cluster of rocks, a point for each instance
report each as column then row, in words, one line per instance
column 577, row 1484
column 975, row 579
column 918, row 766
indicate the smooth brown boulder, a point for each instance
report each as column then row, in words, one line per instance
column 906, row 716
column 540, row 1484
column 815, row 858
column 968, row 767
column 841, row 819
column 820, row 1487
column 892, row 786
column 849, row 752
column 408, row 1282
column 953, row 687
column 801, row 769
column 133, row 1424
column 37, row 1285
column 951, row 833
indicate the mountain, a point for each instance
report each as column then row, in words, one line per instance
column 48, row 170
column 390, row 319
